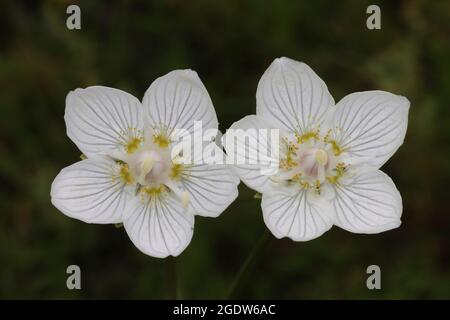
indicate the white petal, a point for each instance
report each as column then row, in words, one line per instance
column 246, row 155
column 159, row 227
column 87, row 191
column 371, row 125
column 293, row 96
column 368, row 203
column 178, row 99
column 211, row 188
column 101, row 119
column 300, row 216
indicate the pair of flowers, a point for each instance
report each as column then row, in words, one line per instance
column 329, row 159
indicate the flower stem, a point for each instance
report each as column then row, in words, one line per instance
column 248, row 263
column 171, row 278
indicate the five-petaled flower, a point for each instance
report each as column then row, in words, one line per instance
column 329, row 155
column 130, row 175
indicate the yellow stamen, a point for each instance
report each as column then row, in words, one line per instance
column 317, row 186
column 133, row 145
column 307, row 136
column 176, row 171
column 161, row 140
column 154, row 190
column 337, row 150
column 288, row 162
column 304, row 184
column 340, row 170
column 125, row 174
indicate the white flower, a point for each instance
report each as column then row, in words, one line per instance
column 329, row 155
column 129, row 175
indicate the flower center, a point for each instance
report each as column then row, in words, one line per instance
column 310, row 160
column 149, row 167
column 313, row 163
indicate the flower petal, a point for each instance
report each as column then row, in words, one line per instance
column 371, row 125
column 101, row 119
column 250, row 152
column 160, row 226
column 176, row 100
column 211, row 188
column 368, row 203
column 87, row 191
column 301, row 215
column 293, row 96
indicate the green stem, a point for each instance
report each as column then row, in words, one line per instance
column 248, row 263
column 171, row 278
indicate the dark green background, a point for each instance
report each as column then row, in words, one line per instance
column 127, row 45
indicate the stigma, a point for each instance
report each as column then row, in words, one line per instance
column 321, row 157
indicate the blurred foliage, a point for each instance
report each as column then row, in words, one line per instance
column 127, row 44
